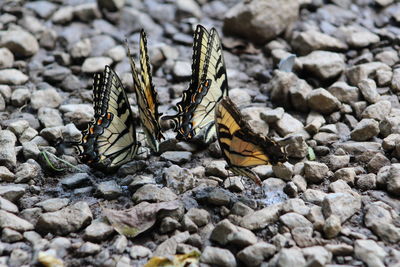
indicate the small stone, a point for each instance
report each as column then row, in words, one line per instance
column 153, row 193
column 53, row 204
column 344, row 92
column 8, row 205
column 76, row 180
column 89, row 248
column 393, row 179
column 219, row 197
column 10, row 236
column 64, row 14
column 32, row 214
column 112, row 6
column 218, row 257
column 117, row 53
column 137, row 252
column 109, row 190
column 314, row 196
column 299, row 93
column 9, row 220
column 264, row 20
column 379, row 220
column 365, row 130
column 189, row 8
column 290, row 257
column 364, row 71
column 384, row 2
column 120, row 244
column 288, row 124
column 395, row 83
column 332, row 226
column 272, row 115
column 254, row 255
column 169, row 224
column 322, row 101
column 283, row 171
column 20, row 97
column 97, row 232
column 378, row 111
column 369, row 252
column 323, row 64
column 81, row 49
column 340, row 249
column 182, row 70
column 390, row 141
column 18, row 257
column 241, row 209
column 261, row 218
column 50, row 117
column 6, row 58
column 95, row 64
column 87, row 12
column 13, row 77
column 368, row 90
column 311, row 40
column 316, row 217
column 178, row 178
column 343, row 205
column 317, row 256
column 21, row 43
column 358, row 36
column 66, row 220
column 346, row 174
column 6, row 175
column 377, row 162
column 176, row 157
column 168, row 247
column 315, row 172
column 296, row 205
column 293, row 220
column 234, row 184
column 28, row 135
column 390, row 125
column 199, row 216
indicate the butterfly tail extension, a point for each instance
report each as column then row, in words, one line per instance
column 247, row 173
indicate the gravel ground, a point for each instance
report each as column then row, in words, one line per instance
column 340, row 207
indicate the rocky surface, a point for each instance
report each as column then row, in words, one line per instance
column 335, row 202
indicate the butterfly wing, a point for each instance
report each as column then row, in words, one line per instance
column 240, row 146
column 146, row 96
column 208, row 85
column 205, row 100
column 110, row 139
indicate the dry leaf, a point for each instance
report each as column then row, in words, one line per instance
column 183, row 260
column 138, row 219
column 48, row 260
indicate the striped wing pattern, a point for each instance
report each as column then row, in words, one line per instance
column 207, row 87
column 146, row 96
column 240, row 146
column 110, row 139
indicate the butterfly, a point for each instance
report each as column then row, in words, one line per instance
column 208, row 85
column 110, row 139
column 146, row 96
column 240, row 145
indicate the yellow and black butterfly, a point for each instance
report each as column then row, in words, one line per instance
column 146, row 96
column 208, row 85
column 240, row 145
column 110, row 140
